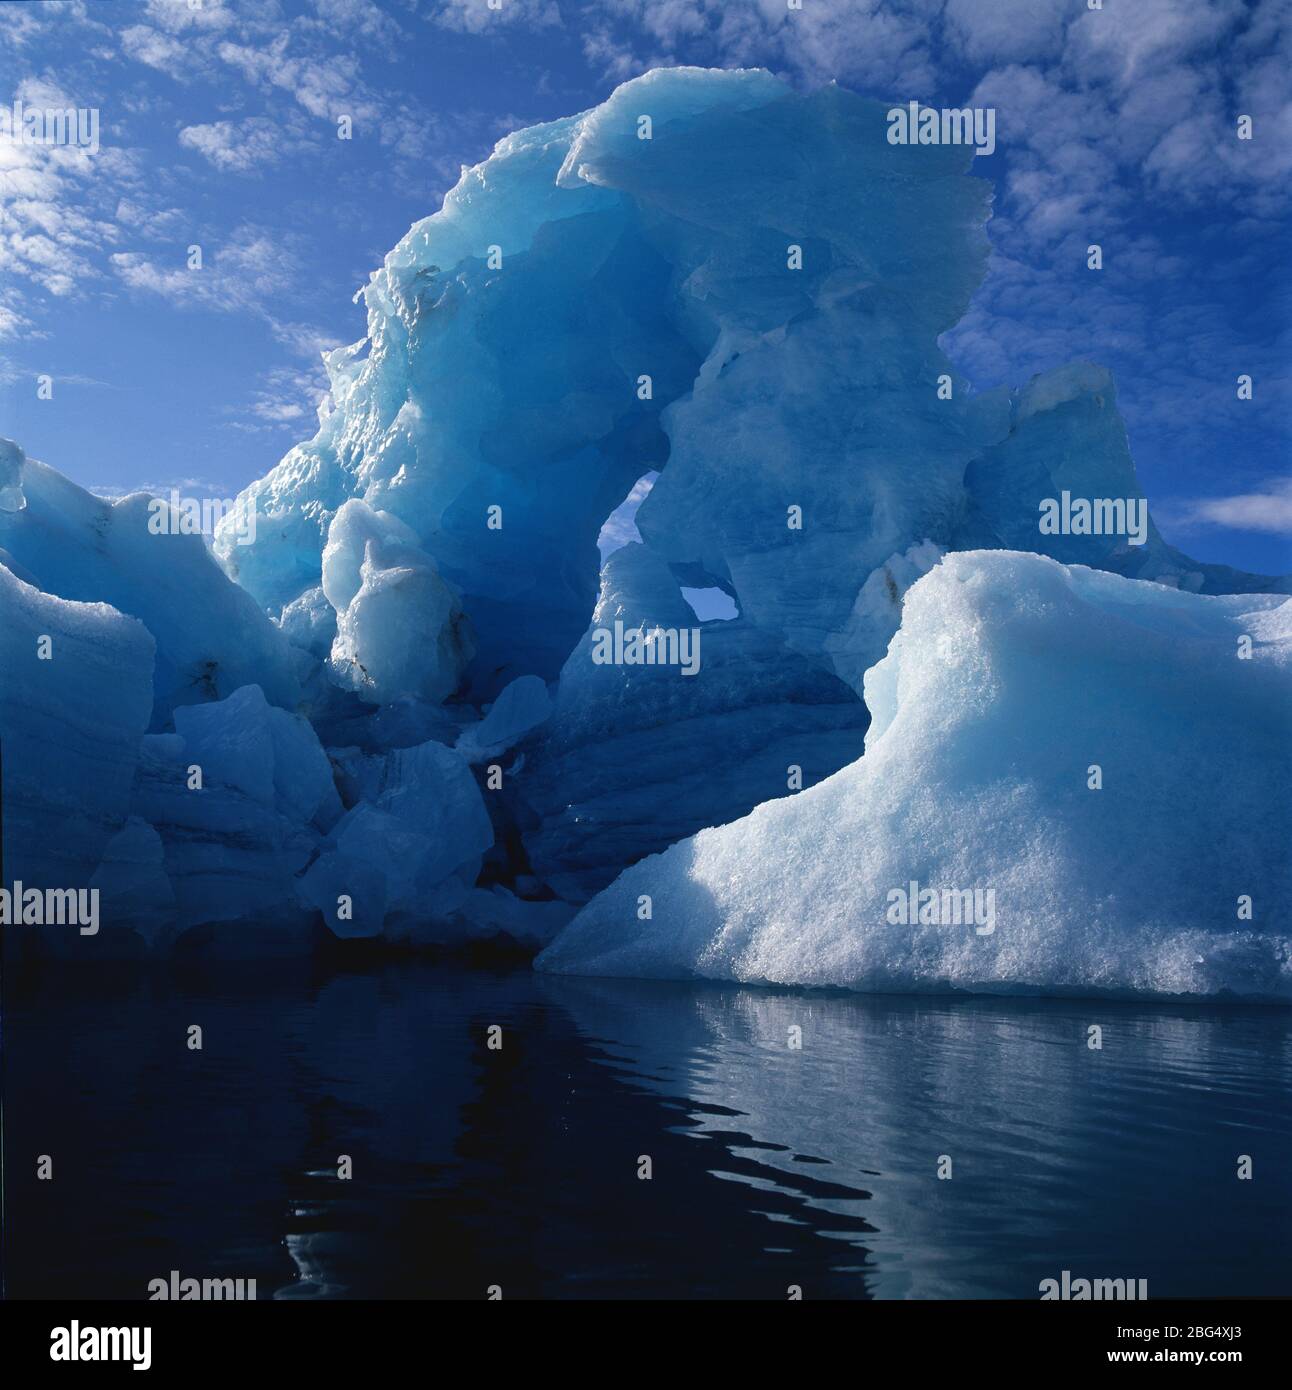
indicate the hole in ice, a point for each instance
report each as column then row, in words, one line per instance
column 711, row 605
column 619, row 528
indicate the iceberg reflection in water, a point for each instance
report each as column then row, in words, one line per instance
column 771, row 1166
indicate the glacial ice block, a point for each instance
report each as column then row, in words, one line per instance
column 230, row 856
column 400, row 630
column 749, row 299
column 713, row 278
column 522, row 707
column 1074, row 782
column 76, row 683
column 266, row 753
column 637, row 756
column 417, row 820
column 1067, row 438
column 211, row 636
column 233, row 843
column 135, row 891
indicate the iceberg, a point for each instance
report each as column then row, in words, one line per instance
column 590, row 305
column 76, row 695
column 738, row 291
column 1073, row 782
column 211, row 637
column 425, row 707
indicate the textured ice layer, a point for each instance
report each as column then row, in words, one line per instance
column 211, row 637
column 637, row 756
column 240, row 798
column 418, row 820
column 399, row 626
column 1011, row 680
column 76, row 684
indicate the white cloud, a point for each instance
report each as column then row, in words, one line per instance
column 1009, row 31
column 239, row 146
column 325, row 88
column 475, row 16
column 1269, row 509
column 176, row 16
column 156, row 50
column 156, row 222
column 286, row 403
column 186, row 487
column 238, row 274
column 51, row 197
column 358, row 18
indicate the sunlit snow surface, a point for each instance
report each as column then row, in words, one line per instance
column 1011, row 679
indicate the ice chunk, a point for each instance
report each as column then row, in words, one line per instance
column 522, row 707
column 234, row 843
column 211, row 637
column 136, row 892
column 373, row 837
column 1105, row 763
column 76, row 683
column 400, row 631
column 309, row 622
column 430, row 788
column 418, row 820
column 231, row 856
column 349, row 892
column 12, row 460
column 637, row 756
column 270, row 755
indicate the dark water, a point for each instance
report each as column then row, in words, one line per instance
column 771, row 1166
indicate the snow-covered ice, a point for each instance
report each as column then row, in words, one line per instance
column 1011, row 680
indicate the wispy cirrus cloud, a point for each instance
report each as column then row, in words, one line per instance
column 1268, row 508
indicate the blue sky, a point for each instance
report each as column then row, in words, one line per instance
column 218, row 127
